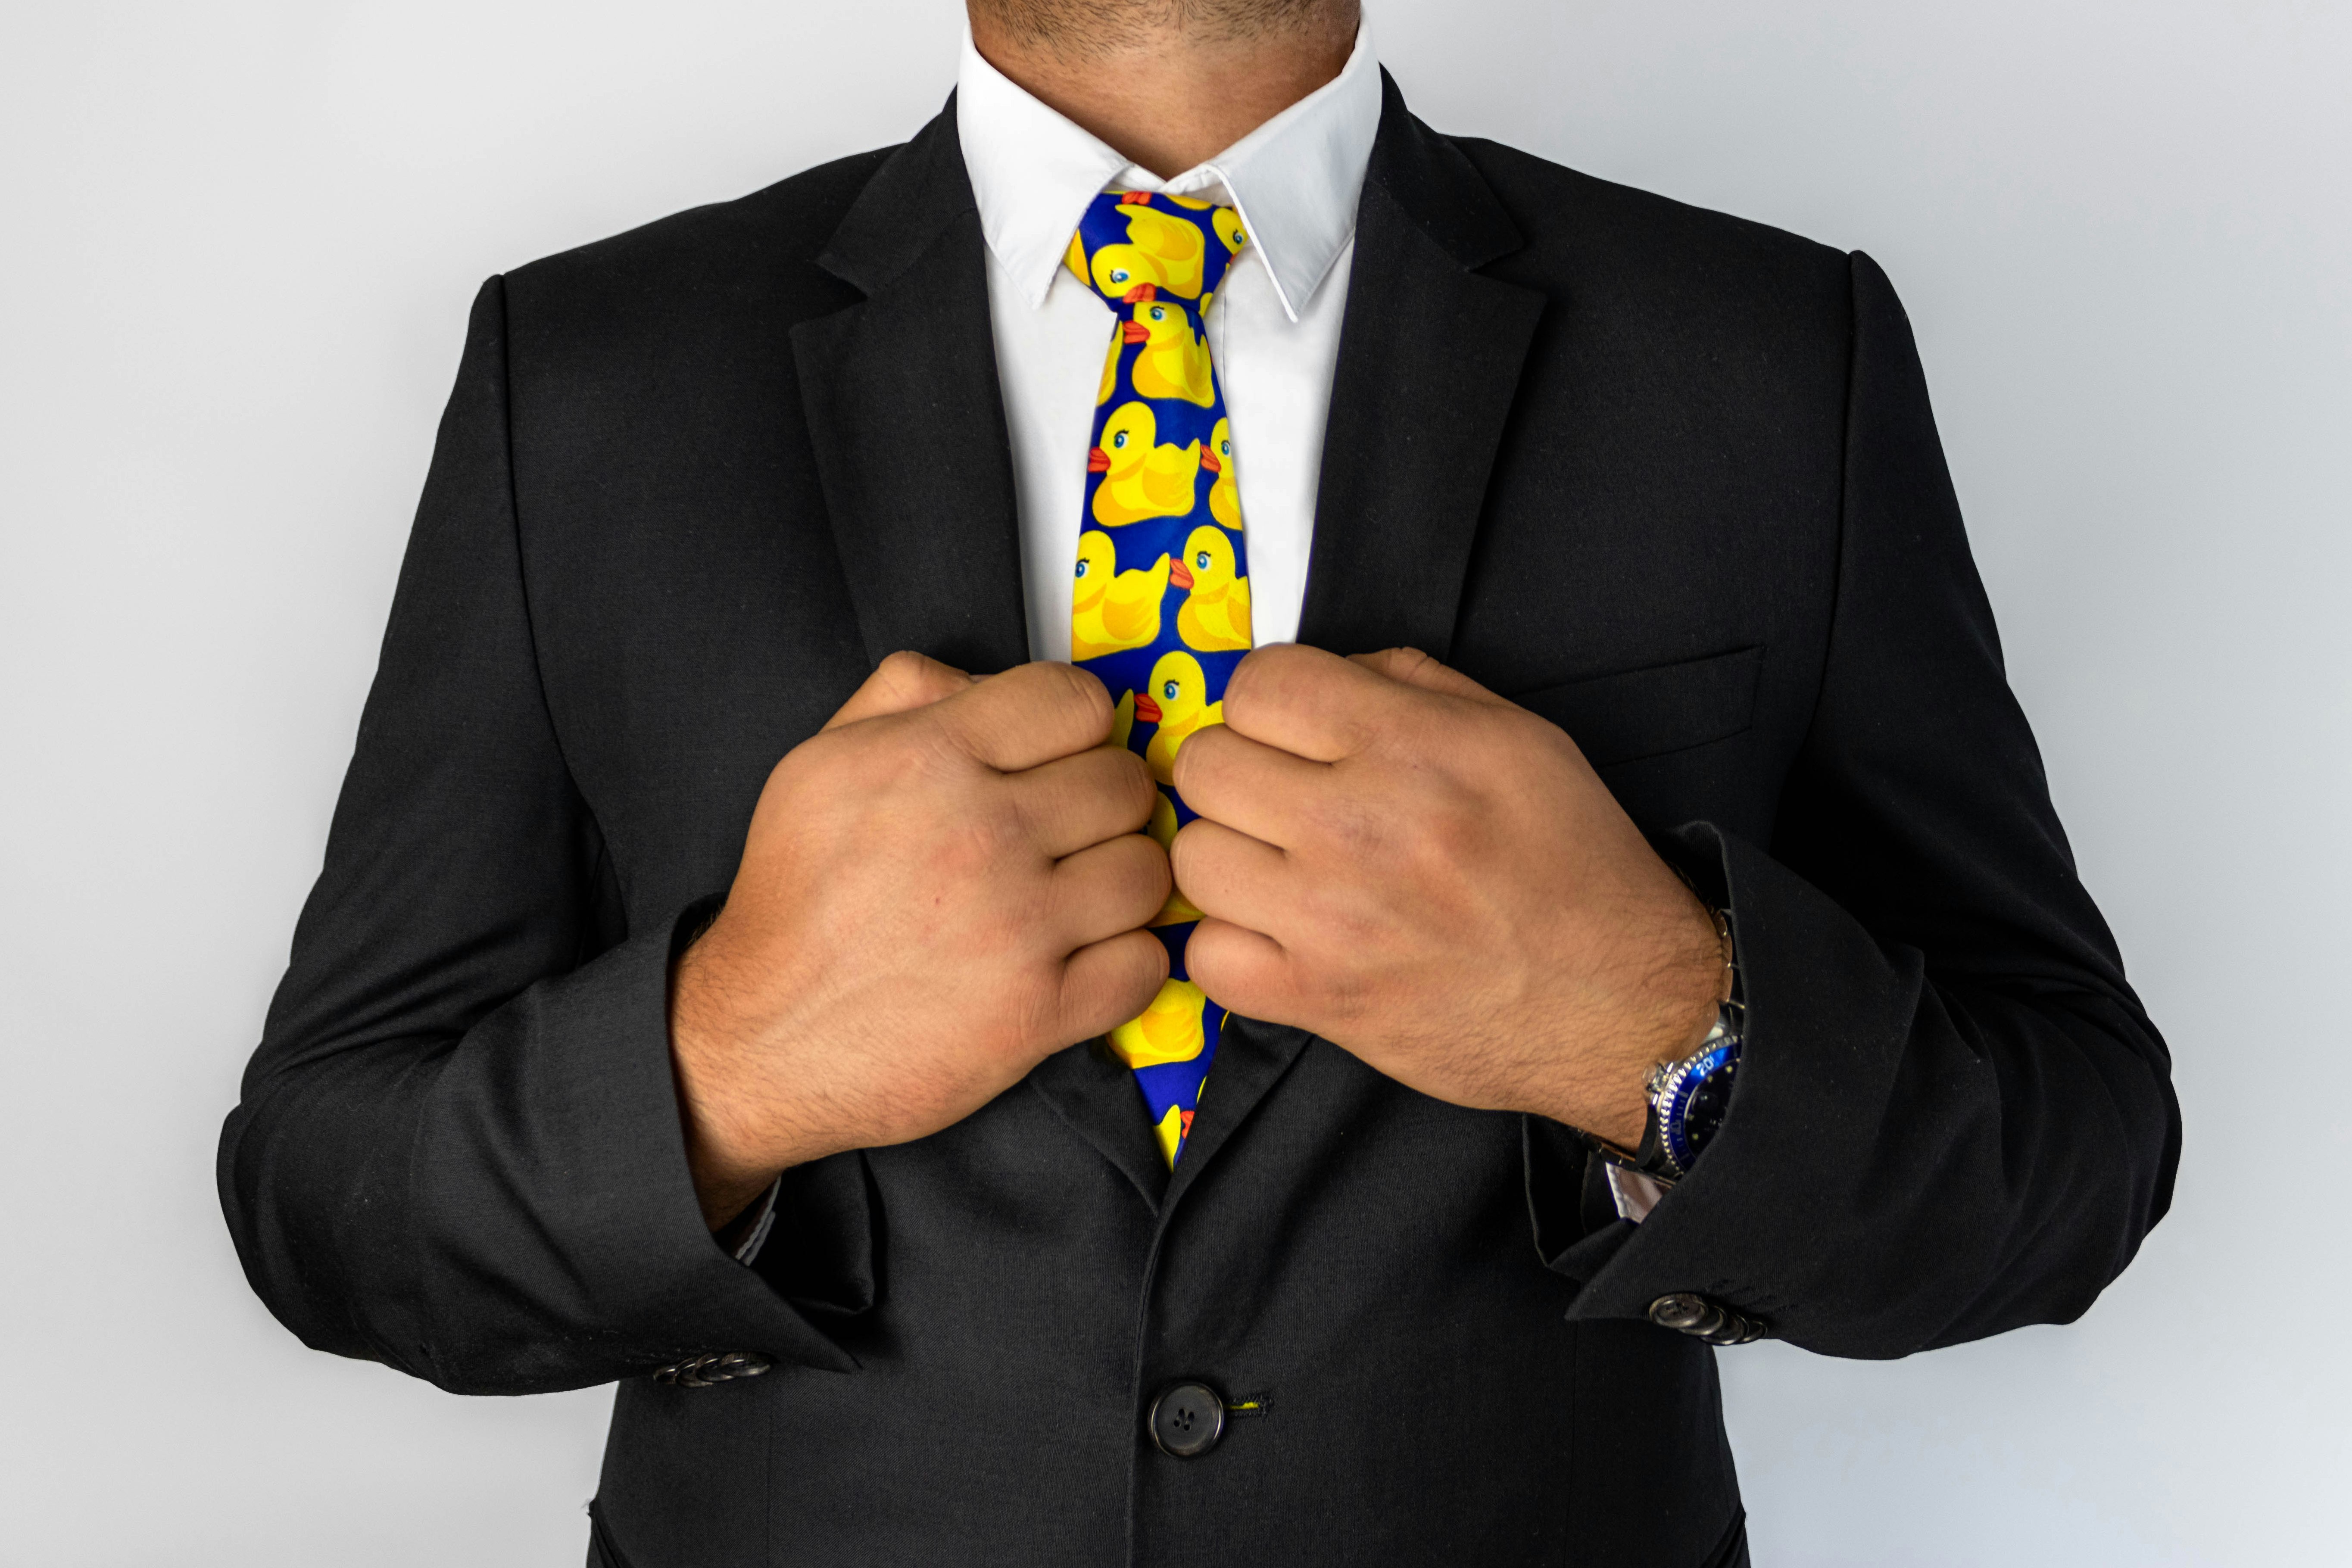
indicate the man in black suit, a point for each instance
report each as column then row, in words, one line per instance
column 615, row 1049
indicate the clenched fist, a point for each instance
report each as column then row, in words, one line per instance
column 1434, row 878
column 941, row 888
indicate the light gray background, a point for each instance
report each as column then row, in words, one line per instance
column 237, row 244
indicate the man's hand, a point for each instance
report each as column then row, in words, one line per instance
column 939, row 889
column 1434, row 879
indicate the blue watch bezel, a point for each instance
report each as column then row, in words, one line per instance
column 1680, row 1089
column 1680, row 1085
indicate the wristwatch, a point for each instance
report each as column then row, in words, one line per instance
column 1688, row 1099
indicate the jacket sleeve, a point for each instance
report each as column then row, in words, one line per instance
column 1952, row 1117
column 457, row 1149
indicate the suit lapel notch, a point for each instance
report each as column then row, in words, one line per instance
column 1252, row 1057
column 906, row 419
column 1096, row 1096
column 1429, row 368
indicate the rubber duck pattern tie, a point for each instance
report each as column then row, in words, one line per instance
column 1160, row 608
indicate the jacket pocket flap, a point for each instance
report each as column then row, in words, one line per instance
column 1649, row 712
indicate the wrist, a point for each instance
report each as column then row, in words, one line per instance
column 1689, row 972
column 729, row 1156
column 1688, row 1094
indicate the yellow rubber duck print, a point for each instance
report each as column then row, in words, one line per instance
column 1141, row 477
column 1158, row 261
column 1216, row 612
column 1226, row 495
column 1169, row 1030
column 1112, row 610
column 1161, row 252
column 1228, row 225
column 1162, row 828
column 1174, row 361
column 1175, row 699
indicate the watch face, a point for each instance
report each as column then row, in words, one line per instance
column 1710, row 1098
column 1694, row 1106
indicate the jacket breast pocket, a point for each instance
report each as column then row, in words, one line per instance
column 1650, row 712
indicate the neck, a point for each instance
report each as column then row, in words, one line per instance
column 1167, row 83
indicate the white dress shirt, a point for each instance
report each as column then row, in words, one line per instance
column 1273, row 327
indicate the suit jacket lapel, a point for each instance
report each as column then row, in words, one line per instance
column 1252, row 1057
column 907, row 418
column 1429, row 363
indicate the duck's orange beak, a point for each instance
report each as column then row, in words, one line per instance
column 1135, row 198
column 1134, row 332
column 1098, row 460
column 1146, row 710
column 1209, row 462
column 1142, row 294
column 1178, row 577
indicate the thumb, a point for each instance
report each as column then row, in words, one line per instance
column 1410, row 666
column 899, row 684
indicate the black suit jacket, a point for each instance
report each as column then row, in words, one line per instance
column 1667, row 478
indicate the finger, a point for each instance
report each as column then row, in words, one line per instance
column 1309, row 702
column 1106, row 983
column 1244, row 972
column 1028, row 716
column 1107, row 888
column 900, row 683
column 1412, row 666
column 1073, row 802
column 1232, row 876
column 1262, row 790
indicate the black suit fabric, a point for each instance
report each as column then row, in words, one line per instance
column 1666, row 477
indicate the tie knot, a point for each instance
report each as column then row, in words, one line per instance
column 1137, row 247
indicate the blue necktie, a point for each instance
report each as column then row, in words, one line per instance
column 1160, row 606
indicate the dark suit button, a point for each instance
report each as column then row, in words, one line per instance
column 1703, row 1319
column 707, row 1371
column 1187, row 1419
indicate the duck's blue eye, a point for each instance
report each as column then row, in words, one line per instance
column 1119, row 439
column 1168, row 688
column 1224, row 448
column 1082, row 568
column 1159, row 313
column 1118, row 273
column 1201, row 561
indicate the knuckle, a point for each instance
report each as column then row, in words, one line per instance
column 1198, row 753
column 982, row 834
column 1259, row 669
column 933, row 744
column 1337, row 991
column 1353, row 829
column 910, row 677
column 1080, row 691
column 1451, row 831
column 1155, row 872
column 1244, row 688
column 1184, row 849
column 1142, row 792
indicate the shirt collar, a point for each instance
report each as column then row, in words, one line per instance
column 1294, row 180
